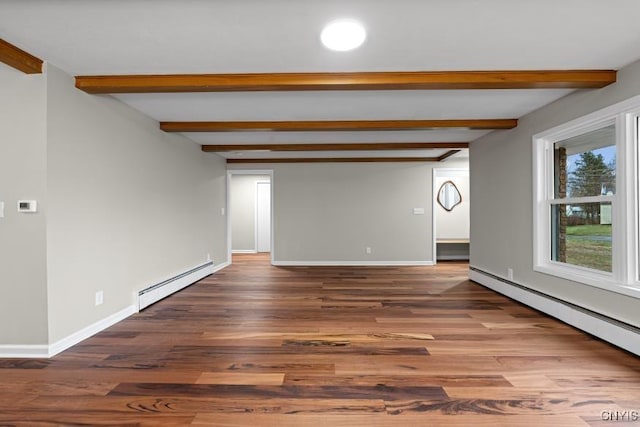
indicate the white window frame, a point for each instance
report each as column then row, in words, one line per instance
column 624, row 277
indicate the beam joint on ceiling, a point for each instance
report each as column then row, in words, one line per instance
column 19, row 59
column 373, row 146
column 337, row 125
column 411, row 80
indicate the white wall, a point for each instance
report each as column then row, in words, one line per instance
column 129, row 205
column 502, row 211
column 330, row 212
column 23, row 289
column 243, row 211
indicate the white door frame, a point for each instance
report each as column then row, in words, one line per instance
column 255, row 227
column 438, row 172
column 230, row 173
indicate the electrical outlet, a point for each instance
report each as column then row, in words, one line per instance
column 222, row 211
column 99, row 297
column 208, row 257
column 510, row 273
column 367, row 250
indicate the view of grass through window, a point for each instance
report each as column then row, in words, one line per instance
column 589, row 246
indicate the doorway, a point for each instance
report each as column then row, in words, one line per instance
column 250, row 207
column 451, row 212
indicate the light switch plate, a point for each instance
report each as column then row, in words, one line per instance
column 27, row 206
column 1, row 209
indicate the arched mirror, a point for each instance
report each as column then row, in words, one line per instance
column 449, row 196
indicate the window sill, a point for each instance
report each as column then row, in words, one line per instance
column 588, row 277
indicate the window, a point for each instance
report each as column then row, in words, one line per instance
column 584, row 169
column 586, row 221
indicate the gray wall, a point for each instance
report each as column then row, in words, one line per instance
column 122, row 206
column 502, row 208
column 129, row 205
column 23, row 286
column 243, row 211
column 330, row 212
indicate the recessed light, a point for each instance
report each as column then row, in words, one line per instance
column 343, row 35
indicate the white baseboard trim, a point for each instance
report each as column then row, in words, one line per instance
column 349, row 263
column 24, row 351
column 90, row 330
column 45, row 351
column 610, row 330
column 244, row 251
column 156, row 292
column 217, row 268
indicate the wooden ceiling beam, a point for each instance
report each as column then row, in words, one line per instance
column 19, row 59
column 367, row 146
column 338, row 160
column 336, row 125
column 447, row 155
column 412, row 80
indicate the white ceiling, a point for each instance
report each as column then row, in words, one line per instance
column 257, row 36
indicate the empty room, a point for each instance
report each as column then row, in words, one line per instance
column 320, row 213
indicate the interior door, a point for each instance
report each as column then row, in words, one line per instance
column 263, row 216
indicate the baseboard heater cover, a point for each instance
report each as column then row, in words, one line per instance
column 616, row 332
column 161, row 290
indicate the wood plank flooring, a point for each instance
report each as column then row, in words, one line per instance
column 256, row 345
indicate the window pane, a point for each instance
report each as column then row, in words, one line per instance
column 585, row 165
column 581, row 235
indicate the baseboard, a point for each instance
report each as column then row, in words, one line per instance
column 611, row 330
column 219, row 267
column 24, row 351
column 44, row 351
column 349, row 263
column 244, row 251
column 158, row 291
column 90, row 330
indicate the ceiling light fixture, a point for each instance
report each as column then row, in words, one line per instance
column 343, row 35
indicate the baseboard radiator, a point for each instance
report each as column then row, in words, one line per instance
column 161, row 290
column 616, row 332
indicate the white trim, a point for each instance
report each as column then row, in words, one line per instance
column 244, row 251
column 44, row 351
column 24, row 351
column 434, row 190
column 230, row 173
column 219, row 267
column 255, row 215
column 351, row 263
column 625, row 246
column 90, row 330
column 155, row 295
column 441, row 173
column 607, row 331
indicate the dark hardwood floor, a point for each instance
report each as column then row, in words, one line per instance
column 256, row 345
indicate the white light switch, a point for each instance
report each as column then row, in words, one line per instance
column 418, row 211
column 1, row 209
